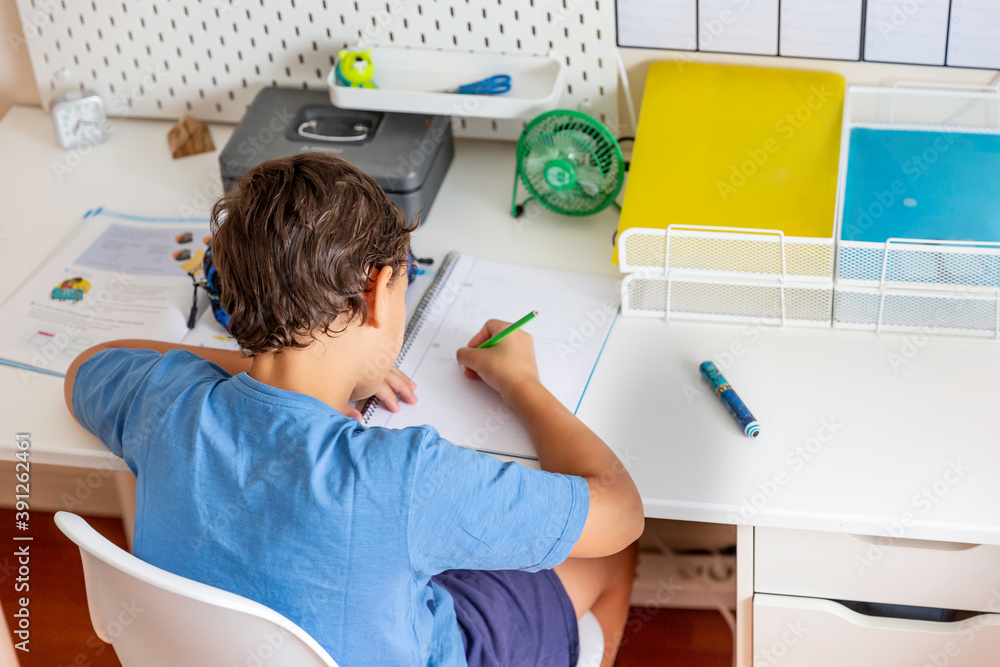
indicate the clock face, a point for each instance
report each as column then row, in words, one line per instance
column 79, row 122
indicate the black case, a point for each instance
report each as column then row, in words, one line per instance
column 407, row 154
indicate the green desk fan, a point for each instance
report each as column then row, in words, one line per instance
column 569, row 163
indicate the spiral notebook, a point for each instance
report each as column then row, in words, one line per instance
column 576, row 313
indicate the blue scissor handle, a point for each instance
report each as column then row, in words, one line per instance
column 494, row 85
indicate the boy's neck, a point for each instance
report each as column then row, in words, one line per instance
column 319, row 370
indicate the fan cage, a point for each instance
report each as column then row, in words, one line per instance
column 599, row 148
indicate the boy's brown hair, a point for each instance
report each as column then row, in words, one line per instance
column 295, row 243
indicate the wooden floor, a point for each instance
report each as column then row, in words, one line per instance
column 61, row 635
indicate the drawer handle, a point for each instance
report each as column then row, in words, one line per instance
column 930, row 545
column 977, row 622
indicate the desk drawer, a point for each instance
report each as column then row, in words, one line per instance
column 846, row 567
column 805, row 632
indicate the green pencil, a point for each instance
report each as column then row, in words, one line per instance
column 509, row 330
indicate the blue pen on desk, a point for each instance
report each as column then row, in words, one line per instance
column 721, row 387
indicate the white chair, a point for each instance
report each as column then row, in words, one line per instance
column 154, row 618
column 591, row 641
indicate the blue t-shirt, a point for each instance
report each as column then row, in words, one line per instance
column 278, row 497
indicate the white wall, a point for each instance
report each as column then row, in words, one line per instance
column 17, row 83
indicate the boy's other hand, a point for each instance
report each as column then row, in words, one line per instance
column 505, row 366
column 396, row 386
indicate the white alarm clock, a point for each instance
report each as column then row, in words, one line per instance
column 79, row 118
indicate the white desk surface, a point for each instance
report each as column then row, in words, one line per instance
column 897, row 432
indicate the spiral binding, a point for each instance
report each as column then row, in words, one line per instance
column 416, row 321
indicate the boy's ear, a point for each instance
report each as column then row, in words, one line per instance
column 377, row 296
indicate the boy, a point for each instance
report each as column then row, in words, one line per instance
column 389, row 547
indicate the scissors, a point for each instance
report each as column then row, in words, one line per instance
column 494, row 85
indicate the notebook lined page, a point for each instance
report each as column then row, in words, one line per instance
column 974, row 38
column 576, row 312
column 821, row 29
column 907, row 31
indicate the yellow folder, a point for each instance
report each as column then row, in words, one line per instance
column 729, row 146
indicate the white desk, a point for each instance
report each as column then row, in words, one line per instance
column 897, row 431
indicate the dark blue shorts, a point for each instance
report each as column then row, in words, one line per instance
column 510, row 618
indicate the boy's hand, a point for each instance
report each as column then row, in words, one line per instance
column 507, row 365
column 395, row 386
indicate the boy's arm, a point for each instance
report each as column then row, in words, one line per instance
column 231, row 361
column 564, row 444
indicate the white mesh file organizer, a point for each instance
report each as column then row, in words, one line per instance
column 917, row 247
column 727, row 275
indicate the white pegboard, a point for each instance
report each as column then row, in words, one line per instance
column 164, row 58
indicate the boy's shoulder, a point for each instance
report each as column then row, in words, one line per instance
column 138, row 359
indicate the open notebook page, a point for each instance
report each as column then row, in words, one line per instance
column 576, row 312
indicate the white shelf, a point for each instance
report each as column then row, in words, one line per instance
column 414, row 81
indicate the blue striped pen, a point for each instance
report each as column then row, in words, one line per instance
column 725, row 392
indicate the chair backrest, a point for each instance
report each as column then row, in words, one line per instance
column 154, row 618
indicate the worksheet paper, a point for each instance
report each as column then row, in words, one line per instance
column 658, row 24
column 740, row 26
column 906, row 31
column 115, row 276
column 576, row 312
column 974, row 38
column 821, row 29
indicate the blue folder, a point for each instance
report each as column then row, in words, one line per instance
column 922, row 185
